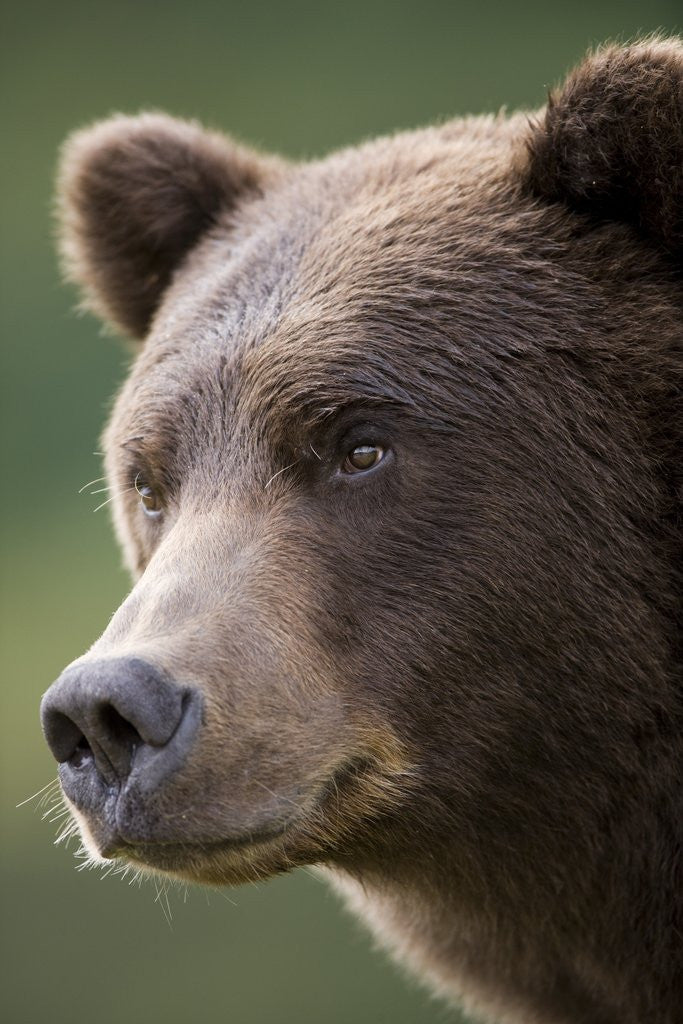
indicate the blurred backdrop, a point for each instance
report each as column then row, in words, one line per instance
column 291, row 76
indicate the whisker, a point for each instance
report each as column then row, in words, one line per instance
column 162, row 900
column 104, row 503
column 59, row 814
column 97, row 480
column 67, row 830
column 284, row 468
column 51, row 809
column 50, row 794
column 223, row 895
column 48, row 785
column 278, row 796
column 168, row 906
column 115, row 495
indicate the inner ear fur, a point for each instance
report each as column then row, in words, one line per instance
column 610, row 143
column 134, row 195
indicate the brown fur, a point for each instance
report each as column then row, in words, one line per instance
column 456, row 679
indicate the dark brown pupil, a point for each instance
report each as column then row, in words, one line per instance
column 148, row 497
column 364, row 456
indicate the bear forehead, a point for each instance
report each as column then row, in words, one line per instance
column 318, row 291
column 346, row 236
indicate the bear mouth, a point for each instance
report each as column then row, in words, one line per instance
column 305, row 836
column 176, row 856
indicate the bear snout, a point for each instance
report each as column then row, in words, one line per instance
column 109, row 720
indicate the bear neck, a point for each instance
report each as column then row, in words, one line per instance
column 577, row 927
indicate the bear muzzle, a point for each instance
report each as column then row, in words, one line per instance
column 120, row 730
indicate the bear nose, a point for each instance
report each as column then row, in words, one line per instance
column 106, row 710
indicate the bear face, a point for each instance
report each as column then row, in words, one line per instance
column 396, row 470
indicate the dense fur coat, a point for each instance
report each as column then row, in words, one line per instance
column 451, row 676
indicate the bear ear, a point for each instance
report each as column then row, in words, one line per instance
column 611, row 141
column 134, row 195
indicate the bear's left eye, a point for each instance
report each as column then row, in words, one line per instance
column 362, row 458
column 150, row 498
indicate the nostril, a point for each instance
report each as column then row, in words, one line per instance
column 118, row 729
column 67, row 741
column 63, row 735
column 82, row 754
column 105, row 739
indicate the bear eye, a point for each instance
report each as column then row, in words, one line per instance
column 362, row 458
column 150, row 499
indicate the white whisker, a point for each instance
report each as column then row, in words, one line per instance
column 162, row 900
column 117, row 494
column 43, row 789
column 97, row 480
column 284, row 469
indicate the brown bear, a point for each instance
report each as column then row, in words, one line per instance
column 398, row 471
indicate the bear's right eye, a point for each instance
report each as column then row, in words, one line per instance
column 150, row 498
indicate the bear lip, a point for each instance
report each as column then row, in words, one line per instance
column 170, row 855
column 176, row 854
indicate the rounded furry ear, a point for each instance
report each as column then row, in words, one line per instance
column 611, row 141
column 134, row 195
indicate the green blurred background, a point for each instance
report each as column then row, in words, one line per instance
column 296, row 77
